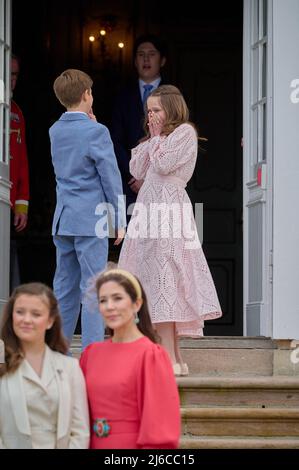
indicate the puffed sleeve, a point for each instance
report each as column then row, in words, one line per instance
column 140, row 161
column 79, row 435
column 84, row 358
column 168, row 154
column 158, row 402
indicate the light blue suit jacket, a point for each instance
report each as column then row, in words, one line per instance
column 86, row 175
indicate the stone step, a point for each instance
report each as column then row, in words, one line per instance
column 229, row 342
column 258, row 392
column 229, row 355
column 240, row 422
column 220, row 356
column 232, row 442
column 217, row 342
column 225, row 342
column 221, row 362
column 247, row 356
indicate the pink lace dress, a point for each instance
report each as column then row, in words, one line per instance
column 161, row 246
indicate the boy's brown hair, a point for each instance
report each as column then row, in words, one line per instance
column 70, row 86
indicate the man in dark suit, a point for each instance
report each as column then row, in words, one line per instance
column 128, row 113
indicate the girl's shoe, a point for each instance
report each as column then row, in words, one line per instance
column 184, row 369
column 177, row 369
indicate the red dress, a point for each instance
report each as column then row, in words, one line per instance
column 132, row 386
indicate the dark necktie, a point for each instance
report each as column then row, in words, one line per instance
column 146, row 93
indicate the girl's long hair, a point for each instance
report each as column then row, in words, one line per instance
column 54, row 337
column 175, row 107
column 176, row 110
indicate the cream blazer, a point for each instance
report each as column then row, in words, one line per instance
column 73, row 430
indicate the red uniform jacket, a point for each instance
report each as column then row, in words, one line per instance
column 19, row 175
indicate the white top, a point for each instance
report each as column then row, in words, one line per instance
column 74, row 112
column 50, row 411
column 42, row 398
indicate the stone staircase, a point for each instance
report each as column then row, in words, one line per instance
column 242, row 393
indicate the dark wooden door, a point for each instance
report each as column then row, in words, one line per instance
column 212, row 82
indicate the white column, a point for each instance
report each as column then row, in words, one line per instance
column 5, row 41
column 4, row 239
column 285, row 169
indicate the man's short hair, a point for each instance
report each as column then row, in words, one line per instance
column 155, row 40
column 70, row 86
column 15, row 57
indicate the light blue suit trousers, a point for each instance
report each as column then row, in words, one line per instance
column 77, row 261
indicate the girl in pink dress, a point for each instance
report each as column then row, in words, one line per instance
column 162, row 246
column 132, row 393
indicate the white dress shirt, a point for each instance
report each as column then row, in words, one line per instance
column 154, row 84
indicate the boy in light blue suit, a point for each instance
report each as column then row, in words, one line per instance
column 87, row 178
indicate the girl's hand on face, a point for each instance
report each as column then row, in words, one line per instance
column 151, row 129
column 155, row 124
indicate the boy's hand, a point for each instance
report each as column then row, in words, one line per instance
column 135, row 185
column 120, row 233
column 91, row 115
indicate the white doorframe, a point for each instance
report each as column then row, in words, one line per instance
column 257, row 168
column 5, row 52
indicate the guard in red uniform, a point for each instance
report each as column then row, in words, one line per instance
column 19, row 175
column 19, row 194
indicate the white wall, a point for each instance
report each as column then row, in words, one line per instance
column 285, row 170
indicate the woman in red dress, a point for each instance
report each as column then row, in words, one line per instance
column 132, row 392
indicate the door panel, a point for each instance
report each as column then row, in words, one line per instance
column 211, row 79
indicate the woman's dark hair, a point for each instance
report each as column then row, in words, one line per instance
column 145, row 324
column 54, row 337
